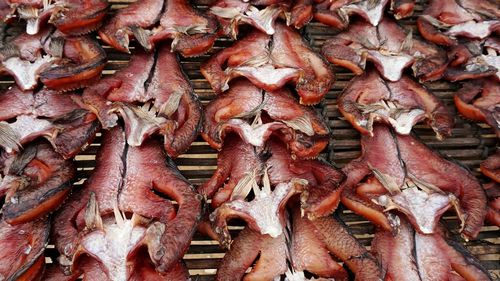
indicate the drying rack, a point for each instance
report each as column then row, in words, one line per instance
column 470, row 144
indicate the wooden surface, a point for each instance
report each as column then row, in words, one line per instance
column 469, row 145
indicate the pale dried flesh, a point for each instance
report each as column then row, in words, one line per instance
column 127, row 205
column 410, row 255
column 390, row 175
column 45, row 113
column 389, row 47
column 400, row 104
column 153, row 96
column 255, row 115
column 270, row 62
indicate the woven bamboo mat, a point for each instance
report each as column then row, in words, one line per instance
column 469, row 145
